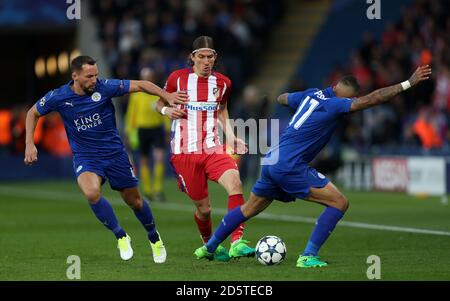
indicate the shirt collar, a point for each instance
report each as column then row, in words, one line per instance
column 328, row 92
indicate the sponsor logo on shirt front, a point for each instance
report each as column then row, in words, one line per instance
column 202, row 106
column 88, row 122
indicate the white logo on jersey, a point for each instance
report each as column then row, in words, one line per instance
column 202, row 106
column 68, row 103
column 320, row 95
column 84, row 123
column 216, row 92
column 42, row 102
column 79, row 168
column 132, row 172
column 321, row 175
column 96, row 96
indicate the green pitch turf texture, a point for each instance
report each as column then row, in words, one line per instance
column 42, row 223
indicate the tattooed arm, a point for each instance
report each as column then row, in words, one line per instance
column 384, row 94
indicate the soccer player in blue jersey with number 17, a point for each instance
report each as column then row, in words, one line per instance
column 286, row 175
column 88, row 113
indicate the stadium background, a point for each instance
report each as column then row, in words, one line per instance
column 392, row 161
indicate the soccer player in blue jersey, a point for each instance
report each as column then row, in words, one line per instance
column 88, row 113
column 287, row 176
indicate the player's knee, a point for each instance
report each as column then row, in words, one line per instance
column 342, row 202
column 135, row 203
column 92, row 195
column 204, row 212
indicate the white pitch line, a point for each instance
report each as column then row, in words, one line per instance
column 60, row 195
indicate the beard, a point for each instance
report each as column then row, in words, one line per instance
column 89, row 90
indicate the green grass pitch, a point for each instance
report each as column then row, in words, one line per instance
column 42, row 223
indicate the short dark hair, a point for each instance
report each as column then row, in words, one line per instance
column 78, row 62
column 203, row 42
column 351, row 81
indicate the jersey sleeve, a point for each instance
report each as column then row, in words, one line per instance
column 171, row 83
column 47, row 104
column 339, row 105
column 295, row 98
column 116, row 87
column 226, row 91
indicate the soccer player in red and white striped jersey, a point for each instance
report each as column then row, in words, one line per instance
column 197, row 153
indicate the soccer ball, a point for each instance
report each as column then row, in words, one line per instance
column 270, row 250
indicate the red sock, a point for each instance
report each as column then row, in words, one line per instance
column 204, row 227
column 234, row 201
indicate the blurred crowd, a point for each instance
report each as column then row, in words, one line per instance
column 158, row 34
column 421, row 116
column 50, row 135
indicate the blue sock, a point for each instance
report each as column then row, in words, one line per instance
column 324, row 226
column 229, row 223
column 105, row 214
column 145, row 216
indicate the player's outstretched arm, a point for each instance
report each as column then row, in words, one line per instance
column 30, row 125
column 179, row 97
column 164, row 108
column 384, row 94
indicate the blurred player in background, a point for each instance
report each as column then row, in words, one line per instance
column 197, row 154
column 86, row 108
column 317, row 115
column 148, row 126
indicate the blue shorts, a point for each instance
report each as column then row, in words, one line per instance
column 286, row 186
column 117, row 170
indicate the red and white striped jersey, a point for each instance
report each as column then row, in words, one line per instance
column 198, row 131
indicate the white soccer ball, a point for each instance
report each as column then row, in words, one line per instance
column 270, row 250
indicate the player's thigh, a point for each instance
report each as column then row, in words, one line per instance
column 191, row 175
column 222, row 168
column 90, row 183
column 329, row 195
column 268, row 186
column 230, row 180
column 120, row 173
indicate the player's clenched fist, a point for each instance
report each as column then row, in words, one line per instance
column 30, row 154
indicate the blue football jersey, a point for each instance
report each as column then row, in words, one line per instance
column 317, row 115
column 89, row 119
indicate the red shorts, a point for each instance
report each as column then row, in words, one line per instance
column 194, row 170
